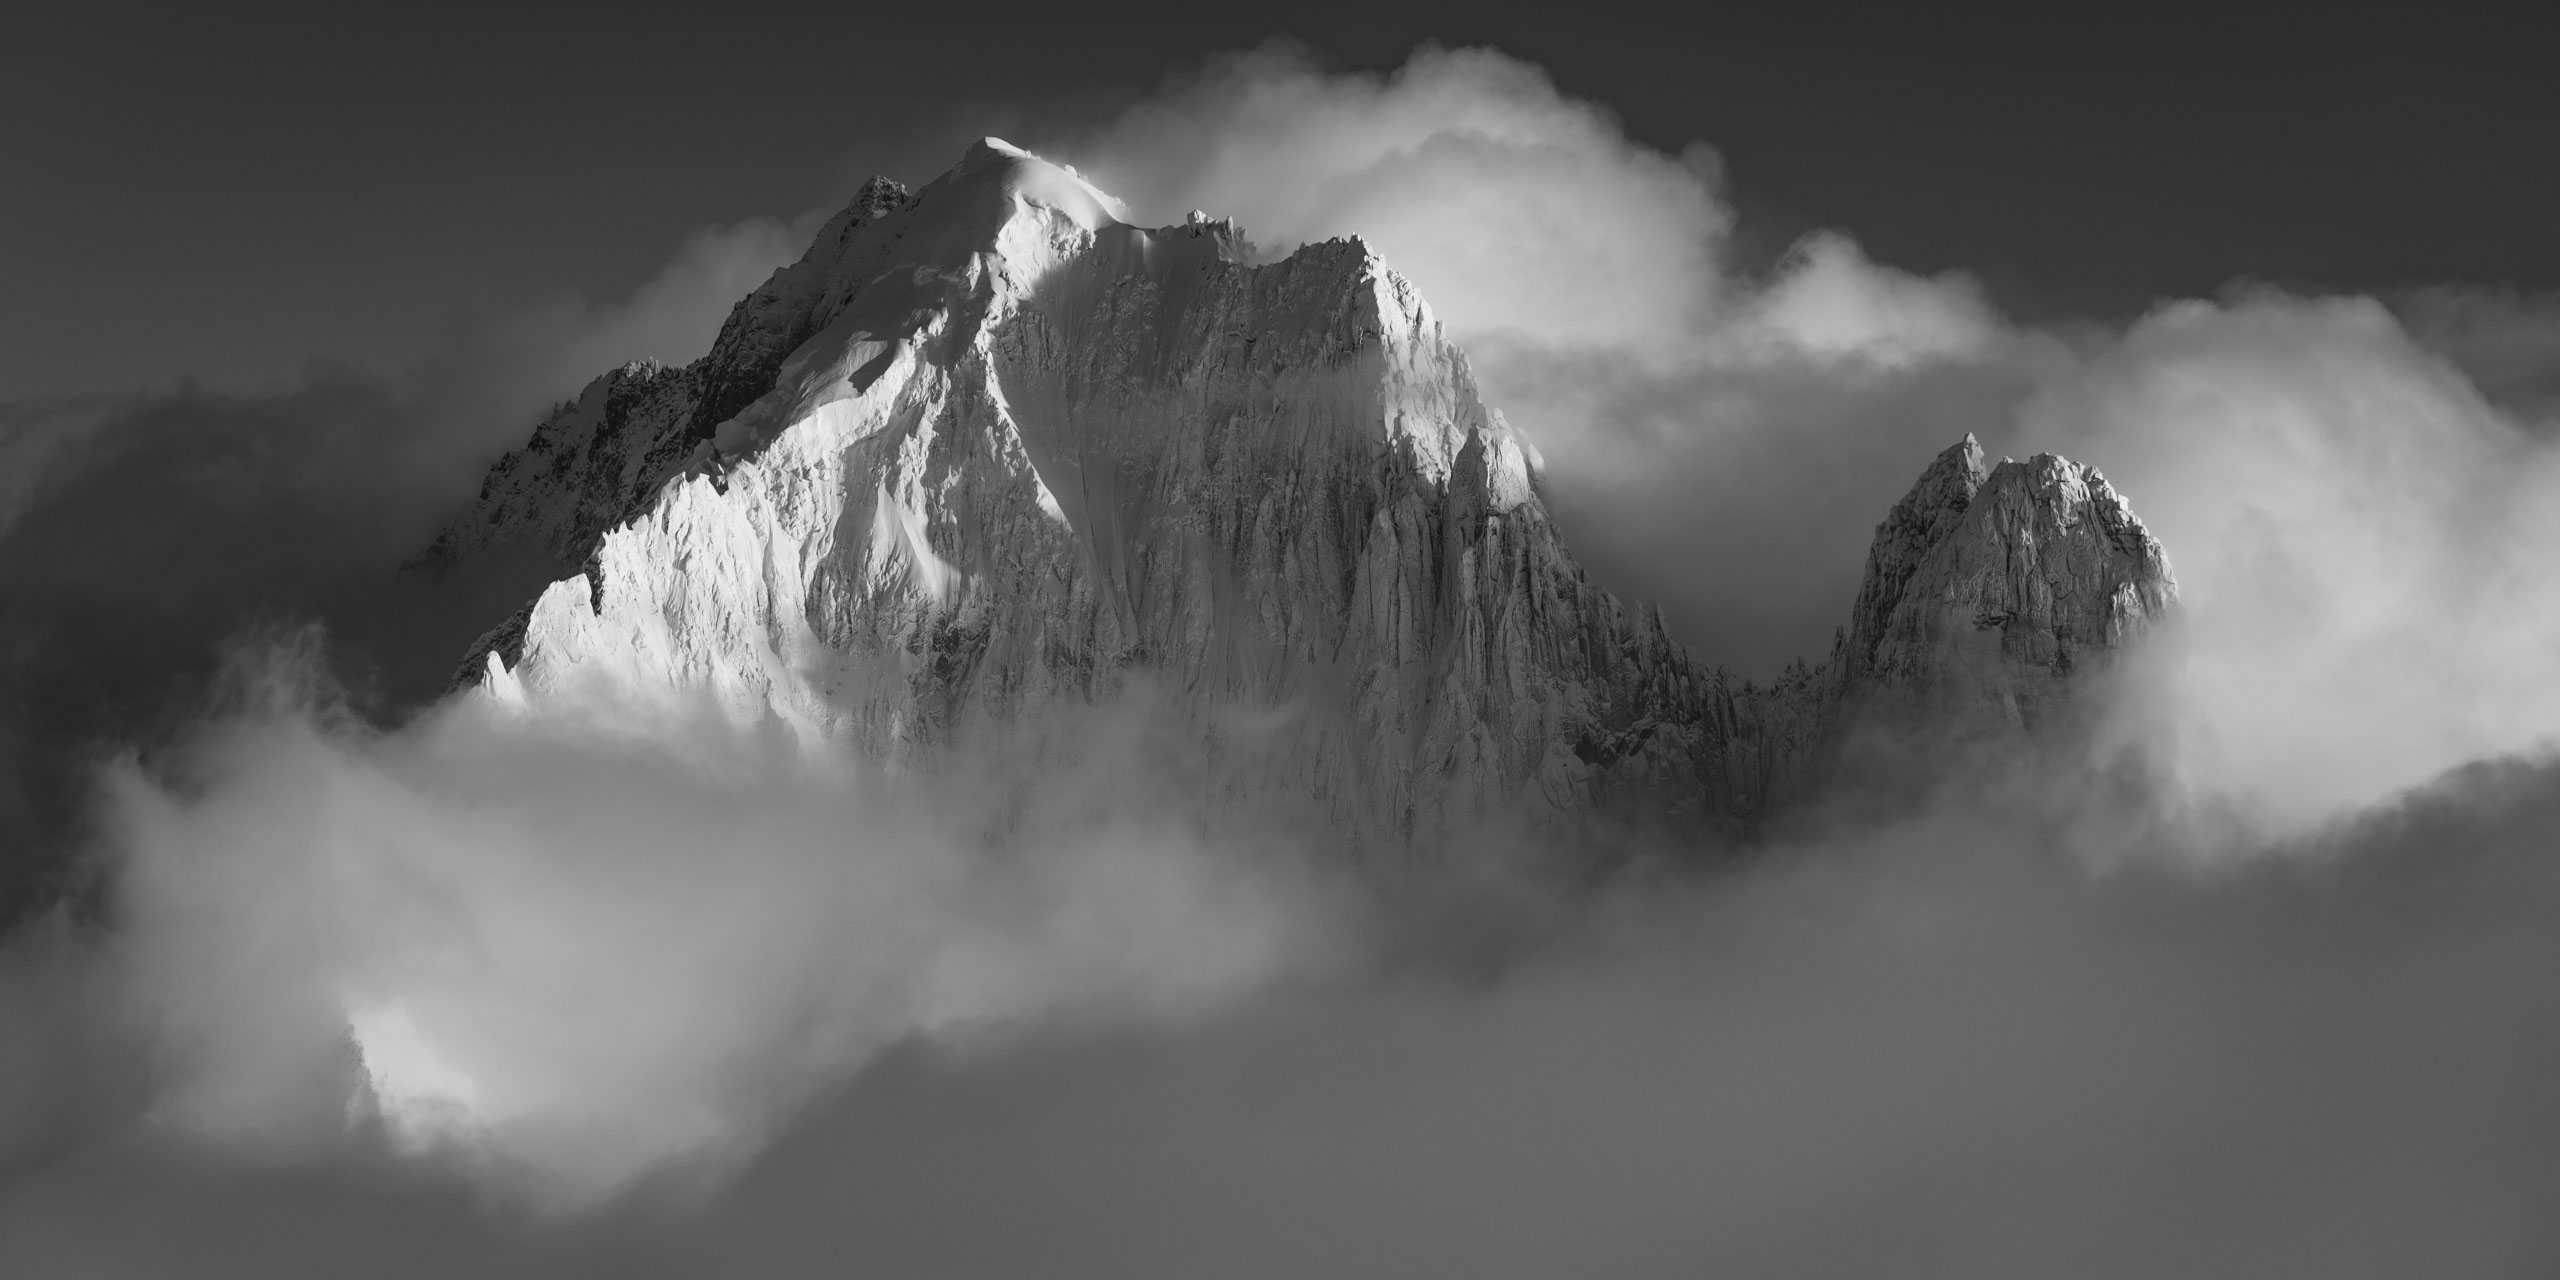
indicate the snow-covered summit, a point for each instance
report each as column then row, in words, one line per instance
column 993, row 163
column 988, row 447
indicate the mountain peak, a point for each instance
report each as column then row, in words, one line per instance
column 994, row 166
column 1987, row 589
column 1958, row 469
column 988, row 447
column 1936, row 503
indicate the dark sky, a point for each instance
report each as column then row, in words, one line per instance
column 228, row 192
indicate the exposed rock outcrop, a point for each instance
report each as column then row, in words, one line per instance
column 1991, row 591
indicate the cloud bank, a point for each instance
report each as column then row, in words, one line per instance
column 575, row 954
column 791, row 1021
column 2353, row 526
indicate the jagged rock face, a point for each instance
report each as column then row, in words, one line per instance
column 987, row 448
column 1992, row 591
column 600, row 459
column 586, row 466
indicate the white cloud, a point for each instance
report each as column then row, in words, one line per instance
column 1830, row 301
column 2506, row 340
column 1514, row 206
column 573, row 961
column 2354, row 530
column 1940, row 1030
